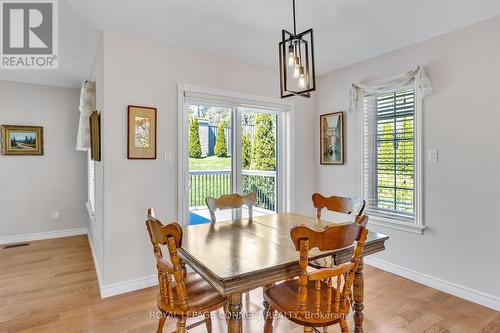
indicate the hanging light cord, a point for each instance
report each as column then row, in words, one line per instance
column 294, row 23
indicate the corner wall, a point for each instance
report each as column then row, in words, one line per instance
column 96, row 226
column 460, row 249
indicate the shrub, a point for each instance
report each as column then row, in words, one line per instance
column 264, row 144
column 194, row 139
column 220, row 148
column 246, row 151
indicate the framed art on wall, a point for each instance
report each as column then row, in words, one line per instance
column 21, row 140
column 95, row 136
column 332, row 138
column 141, row 132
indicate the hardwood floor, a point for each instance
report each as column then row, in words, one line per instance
column 51, row 286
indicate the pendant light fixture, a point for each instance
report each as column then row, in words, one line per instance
column 296, row 60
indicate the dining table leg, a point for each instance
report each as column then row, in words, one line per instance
column 234, row 306
column 359, row 286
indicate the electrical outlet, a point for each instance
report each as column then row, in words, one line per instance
column 55, row 216
column 433, row 155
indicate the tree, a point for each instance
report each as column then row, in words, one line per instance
column 264, row 144
column 220, row 148
column 194, row 139
column 246, row 151
column 263, row 154
column 405, row 158
column 385, row 169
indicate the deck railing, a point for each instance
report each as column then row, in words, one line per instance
column 215, row 183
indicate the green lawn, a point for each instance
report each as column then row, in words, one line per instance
column 210, row 163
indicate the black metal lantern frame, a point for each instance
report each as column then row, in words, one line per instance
column 296, row 61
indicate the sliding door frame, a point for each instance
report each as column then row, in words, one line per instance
column 284, row 152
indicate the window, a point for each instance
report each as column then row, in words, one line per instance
column 91, row 184
column 390, row 167
column 232, row 149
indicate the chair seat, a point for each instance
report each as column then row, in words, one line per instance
column 284, row 299
column 202, row 298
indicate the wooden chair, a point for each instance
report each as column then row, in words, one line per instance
column 231, row 201
column 309, row 300
column 335, row 204
column 338, row 204
column 189, row 295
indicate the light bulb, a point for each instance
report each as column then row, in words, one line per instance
column 291, row 55
column 296, row 70
column 302, row 81
column 296, row 62
column 302, row 77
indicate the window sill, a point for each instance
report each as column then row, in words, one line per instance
column 91, row 212
column 396, row 224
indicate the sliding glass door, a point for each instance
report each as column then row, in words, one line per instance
column 230, row 149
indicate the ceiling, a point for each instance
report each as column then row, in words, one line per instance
column 78, row 40
column 346, row 31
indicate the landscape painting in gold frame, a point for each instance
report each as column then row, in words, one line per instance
column 332, row 138
column 21, row 140
column 141, row 133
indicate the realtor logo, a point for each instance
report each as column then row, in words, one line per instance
column 29, row 34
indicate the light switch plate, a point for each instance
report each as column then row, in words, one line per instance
column 433, row 155
column 167, row 157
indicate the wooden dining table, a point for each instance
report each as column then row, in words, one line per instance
column 241, row 255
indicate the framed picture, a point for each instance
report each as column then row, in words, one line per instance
column 332, row 138
column 95, row 136
column 21, row 140
column 141, row 133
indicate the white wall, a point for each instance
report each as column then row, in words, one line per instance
column 462, row 190
column 142, row 73
column 31, row 187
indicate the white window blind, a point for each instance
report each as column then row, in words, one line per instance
column 91, row 181
column 389, row 159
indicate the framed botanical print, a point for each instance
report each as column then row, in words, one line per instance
column 141, row 132
column 332, row 138
column 21, row 140
column 95, row 136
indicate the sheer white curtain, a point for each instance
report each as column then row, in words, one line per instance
column 87, row 105
column 417, row 76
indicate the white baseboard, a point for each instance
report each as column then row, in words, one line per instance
column 42, row 235
column 94, row 258
column 437, row 283
column 127, row 286
column 119, row 287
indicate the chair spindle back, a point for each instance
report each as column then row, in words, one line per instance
column 171, row 236
column 332, row 237
column 231, row 201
